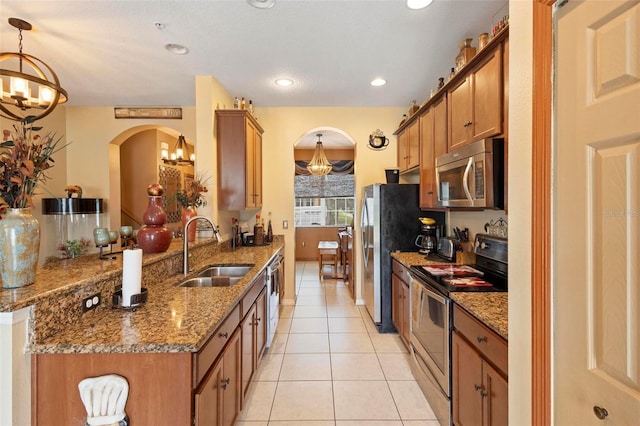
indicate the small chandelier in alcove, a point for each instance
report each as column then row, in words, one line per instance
column 180, row 155
column 319, row 164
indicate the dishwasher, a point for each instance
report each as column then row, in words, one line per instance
column 275, row 281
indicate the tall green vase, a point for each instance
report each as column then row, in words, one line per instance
column 19, row 247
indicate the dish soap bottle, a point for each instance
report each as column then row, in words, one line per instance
column 258, row 232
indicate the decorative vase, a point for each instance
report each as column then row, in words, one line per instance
column 187, row 213
column 467, row 52
column 19, row 247
column 154, row 237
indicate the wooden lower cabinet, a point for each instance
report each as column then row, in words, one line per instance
column 400, row 302
column 480, row 392
column 254, row 338
column 160, row 386
column 217, row 400
column 497, row 397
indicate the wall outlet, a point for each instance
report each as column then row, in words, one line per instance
column 91, row 302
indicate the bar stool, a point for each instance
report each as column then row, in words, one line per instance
column 328, row 249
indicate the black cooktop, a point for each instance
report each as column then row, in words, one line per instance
column 488, row 274
column 457, row 278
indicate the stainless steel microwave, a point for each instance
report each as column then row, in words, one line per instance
column 472, row 176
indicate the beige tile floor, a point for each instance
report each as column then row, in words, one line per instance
column 328, row 365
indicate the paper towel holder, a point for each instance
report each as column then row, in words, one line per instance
column 137, row 300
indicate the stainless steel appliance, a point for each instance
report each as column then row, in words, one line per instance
column 431, row 315
column 388, row 223
column 472, row 176
column 275, row 281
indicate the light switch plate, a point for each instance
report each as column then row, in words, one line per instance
column 285, row 224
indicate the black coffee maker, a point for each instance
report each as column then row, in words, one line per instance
column 428, row 239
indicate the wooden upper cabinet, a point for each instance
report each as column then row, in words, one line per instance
column 409, row 147
column 239, row 139
column 440, row 128
column 433, row 143
column 487, row 96
column 427, row 161
column 476, row 102
column 460, row 114
column 413, row 143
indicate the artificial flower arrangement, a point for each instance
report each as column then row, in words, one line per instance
column 25, row 157
column 192, row 194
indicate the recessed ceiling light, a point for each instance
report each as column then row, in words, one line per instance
column 178, row 49
column 262, row 4
column 284, row 82
column 418, row 4
column 378, row 82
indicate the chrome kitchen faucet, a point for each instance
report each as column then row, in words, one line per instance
column 185, row 247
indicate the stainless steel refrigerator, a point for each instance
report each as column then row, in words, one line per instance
column 389, row 222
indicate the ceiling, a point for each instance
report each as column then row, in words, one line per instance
column 111, row 52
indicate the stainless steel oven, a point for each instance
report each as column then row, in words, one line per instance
column 431, row 346
column 432, row 315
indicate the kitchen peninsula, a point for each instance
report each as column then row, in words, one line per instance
column 167, row 349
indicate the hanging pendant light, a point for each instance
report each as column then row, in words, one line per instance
column 181, row 154
column 319, row 164
column 17, row 103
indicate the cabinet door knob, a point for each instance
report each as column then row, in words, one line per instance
column 224, row 383
column 600, row 412
column 481, row 339
column 223, row 335
column 477, row 387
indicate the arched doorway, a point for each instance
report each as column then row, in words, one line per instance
column 323, row 205
column 134, row 163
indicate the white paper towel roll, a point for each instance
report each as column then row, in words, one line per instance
column 131, row 274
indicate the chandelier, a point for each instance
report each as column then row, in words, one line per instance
column 180, row 155
column 319, row 164
column 32, row 73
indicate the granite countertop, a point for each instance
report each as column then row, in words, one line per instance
column 490, row 307
column 174, row 319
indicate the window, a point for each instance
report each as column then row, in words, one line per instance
column 334, row 211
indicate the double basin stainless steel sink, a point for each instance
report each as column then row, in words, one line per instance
column 221, row 275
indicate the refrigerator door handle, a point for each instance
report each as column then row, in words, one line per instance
column 364, row 226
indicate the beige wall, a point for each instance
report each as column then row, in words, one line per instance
column 96, row 136
column 136, row 172
column 520, row 146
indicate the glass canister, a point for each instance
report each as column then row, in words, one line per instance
column 69, row 223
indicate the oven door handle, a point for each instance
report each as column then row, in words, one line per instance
column 431, row 293
column 465, row 180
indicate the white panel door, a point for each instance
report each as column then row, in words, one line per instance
column 596, row 213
